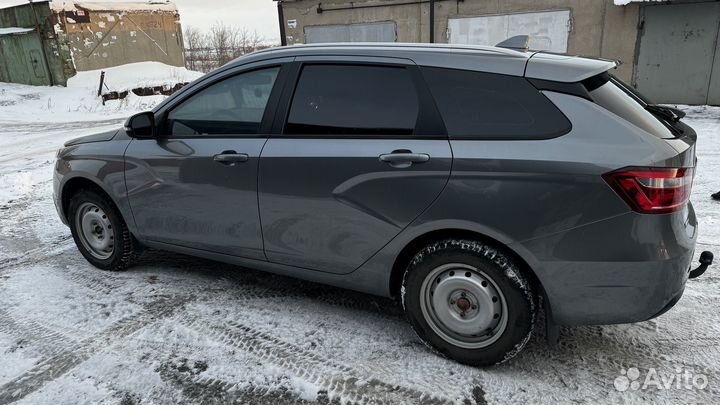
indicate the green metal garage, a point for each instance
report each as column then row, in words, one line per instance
column 29, row 50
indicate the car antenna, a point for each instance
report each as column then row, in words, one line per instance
column 518, row 43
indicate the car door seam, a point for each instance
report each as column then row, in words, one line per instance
column 257, row 197
column 127, row 191
column 420, row 214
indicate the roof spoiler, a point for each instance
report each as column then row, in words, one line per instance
column 565, row 68
column 518, row 43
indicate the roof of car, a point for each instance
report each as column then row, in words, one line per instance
column 487, row 58
column 394, row 47
column 491, row 59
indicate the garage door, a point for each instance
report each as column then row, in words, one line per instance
column 25, row 59
column 548, row 30
column 373, row 32
column 679, row 52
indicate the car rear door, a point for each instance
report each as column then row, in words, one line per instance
column 360, row 152
column 196, row 186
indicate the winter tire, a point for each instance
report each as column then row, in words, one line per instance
column 469, row 301
column 100, row 232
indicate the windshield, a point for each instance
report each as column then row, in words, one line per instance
column 623, row 101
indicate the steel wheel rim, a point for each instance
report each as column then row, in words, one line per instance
column 95, row 231
column 463, row 305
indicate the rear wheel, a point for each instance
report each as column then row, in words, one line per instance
column 469, row 301
column 99, row 231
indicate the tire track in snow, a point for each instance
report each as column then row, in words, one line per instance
column 39, row 254
column 46, row 341
column 108, row 283
column 18, row 213
column 57, row 365
column 186, row 379
column 346, row 383
column 102, row 283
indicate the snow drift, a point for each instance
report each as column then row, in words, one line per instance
column 80, row 102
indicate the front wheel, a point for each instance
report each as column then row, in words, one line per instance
column 469, row 301
column 100, row 232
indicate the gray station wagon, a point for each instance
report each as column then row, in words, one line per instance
column 478, row 185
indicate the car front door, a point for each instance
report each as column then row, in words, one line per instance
column 361, row 152
column 196, row 185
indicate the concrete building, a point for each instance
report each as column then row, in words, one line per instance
column 107, row 34
column 669, row 50
column 30, row 52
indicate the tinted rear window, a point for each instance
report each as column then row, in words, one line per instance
column 477, row 105
column 353, row 100
column 619, row 99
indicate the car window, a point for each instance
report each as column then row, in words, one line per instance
column 478, row 105
column 234, row 106
column 353, row 100
column 617, row 98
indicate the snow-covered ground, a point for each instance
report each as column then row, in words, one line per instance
column 79, row 101
column 182, row 330
column 134, row 75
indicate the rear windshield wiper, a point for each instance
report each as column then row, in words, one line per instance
column 668, row 113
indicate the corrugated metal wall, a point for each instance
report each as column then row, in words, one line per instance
column 679, row 55
column 104, row 39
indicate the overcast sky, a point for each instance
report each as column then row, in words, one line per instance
column 259, row 15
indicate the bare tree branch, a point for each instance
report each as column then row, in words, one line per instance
column 208, row 51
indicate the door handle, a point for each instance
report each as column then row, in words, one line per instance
column 230, row 158
column 404, row 158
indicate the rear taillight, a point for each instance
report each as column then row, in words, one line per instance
column 651, row 190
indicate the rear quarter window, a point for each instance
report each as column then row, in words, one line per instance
column 617, row 98
column 478, row 105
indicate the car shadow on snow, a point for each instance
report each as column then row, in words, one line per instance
column 157, row 263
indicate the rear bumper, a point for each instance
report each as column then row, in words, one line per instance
column 669, row 305
column 625, row 269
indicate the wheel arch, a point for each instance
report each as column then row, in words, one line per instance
column 408, row 252
column 75, row 184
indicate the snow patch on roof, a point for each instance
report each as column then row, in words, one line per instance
column 121, row 6
column 15, row 3
column 14, row 30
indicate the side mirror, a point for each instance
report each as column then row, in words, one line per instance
column 141, row 126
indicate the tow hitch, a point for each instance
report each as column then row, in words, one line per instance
column 706, row 259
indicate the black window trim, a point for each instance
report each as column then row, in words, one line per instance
column 595, row 82
column 554, row 135
column 571, row 88
column 267, row 120
column 429, row 124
